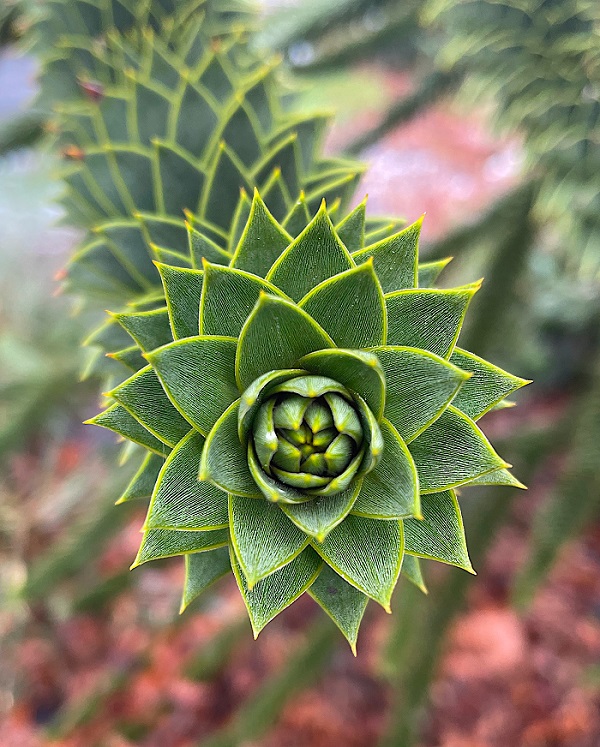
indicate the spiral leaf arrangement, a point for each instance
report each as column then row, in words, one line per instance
column 307, row 416
column 176, row 121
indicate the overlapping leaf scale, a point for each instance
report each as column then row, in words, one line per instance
column 344, row 603
column 439, row 535
column 198, row 147
column 402, row 510
column 452, row 452
column 272, row 594
column 179, row 499
column 262, row 537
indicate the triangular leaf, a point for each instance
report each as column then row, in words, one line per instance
column 118, row 420
column 350, row 307
column 276, row 335
column 143, row 397
column 183, row 289
column 142, row 483
column 352, row 229
column 318, row 251
column 344, row 604
column 150, row 329
column 167, row 543
column 263, row 538
column 440, row 534
column 319, row 516
column 395, row 258
column 367, row 553
column 391, row 489
column 430, row 271
column 488, row 386
column 228, row 297
column 201, row 570
column 180, row 500
column 419, row 387
column 428, row 319
column 224, row 459
column 262, row 242
column 198, row 373
column 451, row 452
column 273, row 594
column 411, row 569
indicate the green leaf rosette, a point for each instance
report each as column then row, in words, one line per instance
column 307, row 417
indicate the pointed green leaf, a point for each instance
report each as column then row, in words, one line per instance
column 282, row 161
column 181, row 181
column 263, row 538
column 298, row 218
column 262, row 242
column 344, row 604
column 273, row 594
column 276, row 335
column 498, row 477
column 352, row 229
column 201, row 570
column 395, row 258
column 150, row 329
column 428, row 319
column 411, row 569
column 319, row 516
column 430, row 271
column 367, row 553
column 224, row 459
column 350, row 307
column 117, row 419
column 198, row 373
column 318, row 251
column 273, row 490
column 355, row 370
column 130, row 357
column 254, row 395
column 240, row 133
column 202, row 248
column 488, row 386
column 143, row 397
column 452, row 452
column 142, row 483
column 372, row 436
column 180, row 500
column 391, row 489
column 167, row 543
column 228, row 176
column 440, row 534
column 183, row 289
column 238, row 224
column 228, row 297
column 419, row 387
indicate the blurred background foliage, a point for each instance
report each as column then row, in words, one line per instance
column 531, row 70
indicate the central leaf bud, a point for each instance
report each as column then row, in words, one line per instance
column 310, row 437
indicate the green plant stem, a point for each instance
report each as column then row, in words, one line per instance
column 432, row 88
column 493, row 221
column 83, row 544
column 498, row 296
column 421, row 623
column 260, row 712
column 575, row 500
column 216, row 653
